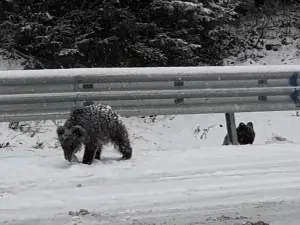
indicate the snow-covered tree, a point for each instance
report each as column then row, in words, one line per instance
column 75, row 33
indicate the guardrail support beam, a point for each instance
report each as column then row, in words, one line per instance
column 231, row 128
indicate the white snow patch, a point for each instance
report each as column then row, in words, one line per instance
column 69, row 52
column 9, row 64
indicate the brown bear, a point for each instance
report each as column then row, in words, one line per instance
column 93, row 126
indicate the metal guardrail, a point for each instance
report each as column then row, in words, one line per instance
column 51, row 94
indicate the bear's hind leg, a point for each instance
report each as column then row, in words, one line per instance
column 98, row 153
column 126, row 151
column 123, row 143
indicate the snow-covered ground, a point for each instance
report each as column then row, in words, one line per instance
column 182, row 185
column 179, row 174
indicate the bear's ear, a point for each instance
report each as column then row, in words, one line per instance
column 78, row 131
column 60, row 130
column 250, row 124
column 241, row 124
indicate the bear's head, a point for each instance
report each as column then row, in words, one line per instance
column 245, row 127
column 71, row 140
column 245, row 131
column 242, row 129
column 242, row 126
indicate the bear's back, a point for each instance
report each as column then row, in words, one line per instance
column 95, row 119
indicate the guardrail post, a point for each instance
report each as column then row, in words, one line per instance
column 231, row 128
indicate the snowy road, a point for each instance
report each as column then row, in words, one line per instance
column 211, row 185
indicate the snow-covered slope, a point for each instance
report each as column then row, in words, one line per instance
column 166, row 132
column 179, row 174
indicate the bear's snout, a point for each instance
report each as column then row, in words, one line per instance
column 68, row 156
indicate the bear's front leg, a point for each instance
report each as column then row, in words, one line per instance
column 89, row 153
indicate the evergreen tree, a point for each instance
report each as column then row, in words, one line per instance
column 117, row 33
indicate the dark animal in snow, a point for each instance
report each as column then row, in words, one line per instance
column 93, row 126
column 245, row 134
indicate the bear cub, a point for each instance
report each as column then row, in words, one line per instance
column 245, row 134
column 93, row 126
